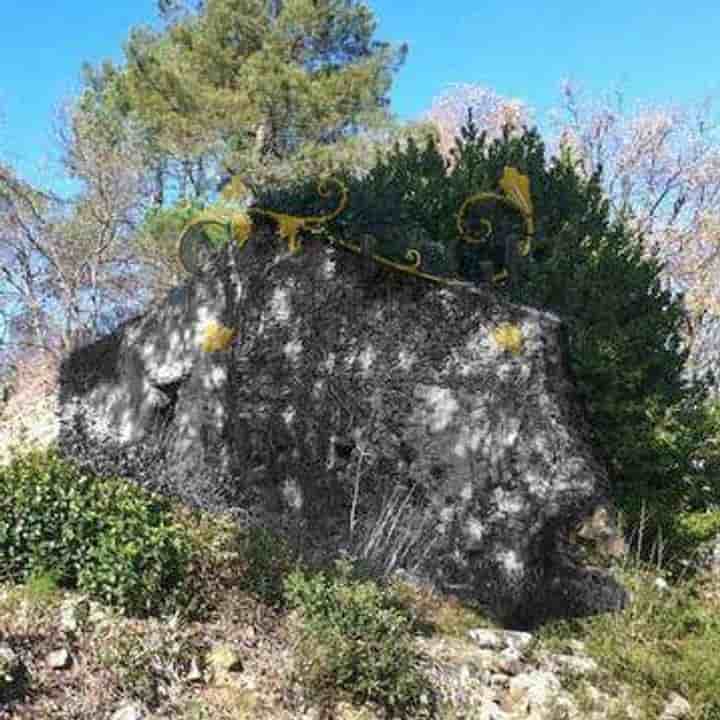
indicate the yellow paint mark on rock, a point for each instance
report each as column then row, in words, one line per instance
column 217, row 337
column 509, row 337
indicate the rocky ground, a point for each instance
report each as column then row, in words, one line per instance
column 62, row 656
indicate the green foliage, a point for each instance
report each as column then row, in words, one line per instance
column 693, row 530
column 411, row 197
column 625, row 343
column 667, row 640
column 250, row 86
column 105, row 537
column 42, row 584
column 157, row 238
column 357, row 638
column 165, row 224
column 268, row 559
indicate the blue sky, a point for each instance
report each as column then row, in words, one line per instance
column 657, row 51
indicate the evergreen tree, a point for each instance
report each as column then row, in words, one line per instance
column 262, row 89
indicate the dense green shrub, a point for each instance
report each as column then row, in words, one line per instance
column 692, row 536
column 357, row 638
column 106, row 537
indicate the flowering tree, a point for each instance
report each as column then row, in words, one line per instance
column 490, row 111
column 661, row 172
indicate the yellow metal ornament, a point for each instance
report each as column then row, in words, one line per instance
column 516, row 187
column 238, row 226
column 509, row 337
column 290, row 226
column 241, row 226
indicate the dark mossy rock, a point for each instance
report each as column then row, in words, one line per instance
column 336, row 382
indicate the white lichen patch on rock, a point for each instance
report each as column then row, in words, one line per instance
column 329, row 363
column 289, row 415
column 329, row 267
column 469, row 439
column 366, row 358
column 474, row 532
column 441, row 405
column 318, row 387
column 406, row 359
column 280, row 305
column 511, row 562
column 293, row 349
column 292, row 494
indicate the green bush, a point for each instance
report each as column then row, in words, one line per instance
column 358, row 638
column 106, row 537
column 268, row 560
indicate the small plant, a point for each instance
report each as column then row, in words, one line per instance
column 151, row 661
column 42, row 584
column 399, row 535
column 106, row 537
column 667, row 640
column 438, row 613
column 357, row 637
column 268, row 560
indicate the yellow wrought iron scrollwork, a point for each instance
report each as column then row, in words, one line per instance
column 516, row 187
column 289, row 226
column 192, row 244
column 412, row 255
column 239, row 226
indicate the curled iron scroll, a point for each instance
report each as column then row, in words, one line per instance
column 194, row 246
column 517, row 197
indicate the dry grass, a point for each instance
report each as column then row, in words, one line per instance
column 399, row 535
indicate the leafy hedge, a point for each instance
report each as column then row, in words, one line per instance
column 106, row 537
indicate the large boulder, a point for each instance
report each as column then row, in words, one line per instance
column 358, row 399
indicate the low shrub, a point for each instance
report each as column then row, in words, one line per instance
column 106, row 537
column 357, row 638
column 268, row 560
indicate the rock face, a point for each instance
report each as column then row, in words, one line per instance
column 358, row 399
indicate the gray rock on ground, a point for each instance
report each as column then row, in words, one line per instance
column 130, row 711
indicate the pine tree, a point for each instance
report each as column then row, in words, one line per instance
column 263, row 89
